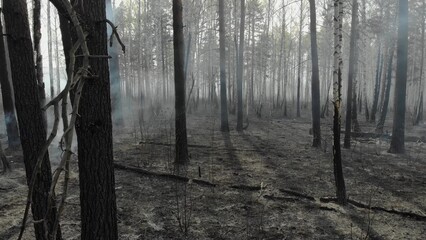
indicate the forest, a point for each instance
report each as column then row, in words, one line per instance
column 212, row 119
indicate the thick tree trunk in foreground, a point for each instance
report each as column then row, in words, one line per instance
column 224, row 127
column 8, row 103
column 398, row 130
column 337, row 79
column 32, row 129
column 316, row 118
column 353, row 59
column 94, row 132
column 180, row 83
column 240, row 69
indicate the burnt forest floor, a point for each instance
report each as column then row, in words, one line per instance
column 264, row 183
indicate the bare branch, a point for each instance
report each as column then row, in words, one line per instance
column 115, row 33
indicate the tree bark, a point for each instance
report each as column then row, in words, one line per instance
column 50, row 51
column 114, row 68
column 398, row 131
column 163, row 64
column 353, row 62
column 337, row 79
column 419, row 112
column 223, row 101
column 240, row 69
column 7, row 98
column 58, row 75
column 281, row 56
column 94, row 131
column 39, row 57
column 180, row 85
column 316, row 126
column 4, row 162
column 381, row 122
column 377, row 85
column 299, row 62
column 253, row 52
column 32, row 129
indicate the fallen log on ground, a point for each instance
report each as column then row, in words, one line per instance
column 374, row 208
column 200, row 146
column 384, row 136
column 163, row 175
column 297, row 195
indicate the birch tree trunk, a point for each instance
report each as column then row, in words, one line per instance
column 337, row 88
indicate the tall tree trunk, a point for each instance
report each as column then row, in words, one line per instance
column 94, row 132
column 241, row 69
column 223, row 101
column 337, row 79
column 419, row 112
column 253, row 52
column 114, row 69
column 377, row 85
column 364, row 67
column 398, row 130
column 316, row 126
column 31, row 124
column 163, row 64
column 4, row 162
column 38, row 56
column 7, row 98
column 355, row 104
column 353, row 62
column 381, row 122
column 281, row 55
column 58, row 75
column 147, row 56
column 50, row 51
column 64, row 26
column 299, row 62
column 180, row 89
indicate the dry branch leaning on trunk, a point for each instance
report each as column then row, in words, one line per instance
column 74, row 81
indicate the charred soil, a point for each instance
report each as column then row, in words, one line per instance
column 264, row 183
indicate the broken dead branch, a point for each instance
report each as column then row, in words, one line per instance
column 247, row 188
column 74, row 82
column 297, row 194
column 115, row 33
